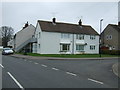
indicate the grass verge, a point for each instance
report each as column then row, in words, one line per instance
column 70, row 55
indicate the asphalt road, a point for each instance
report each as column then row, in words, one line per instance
column 26, row 73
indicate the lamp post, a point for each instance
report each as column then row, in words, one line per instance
column 100, row 37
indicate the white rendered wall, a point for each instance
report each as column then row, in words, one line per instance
column 92, row 42
column 24, row 35
column 50, row 43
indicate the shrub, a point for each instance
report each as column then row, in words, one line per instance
column 111, row 52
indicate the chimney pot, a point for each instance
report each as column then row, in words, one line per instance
column 80, row 22
column 54, row 20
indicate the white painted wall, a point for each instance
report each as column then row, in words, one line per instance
column 92, row 42
column 50, row 43
column 24, row 35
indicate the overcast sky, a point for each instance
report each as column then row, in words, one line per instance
column 16, row 14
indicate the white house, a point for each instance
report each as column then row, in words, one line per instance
column 23, row 39
column 65, row 38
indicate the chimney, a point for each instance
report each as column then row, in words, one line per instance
column 54, row 21
column 26, row 25
column 80, row 22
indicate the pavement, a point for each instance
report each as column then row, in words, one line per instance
column 115, row 67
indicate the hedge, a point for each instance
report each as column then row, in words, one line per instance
column 111, row 52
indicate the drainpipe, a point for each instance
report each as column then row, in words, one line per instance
column 73, row 43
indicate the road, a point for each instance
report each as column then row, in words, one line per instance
column 26, row 73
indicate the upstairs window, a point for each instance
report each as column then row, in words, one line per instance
column 80, row 37
column 65, row 36
column 92, row 37
column 92, row 47
column 108, row 37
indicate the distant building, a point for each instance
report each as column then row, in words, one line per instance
column 22, row 40
column 110, row 37
column 65, row 38
column 0, row 41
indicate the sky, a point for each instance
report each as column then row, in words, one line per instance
column 16, row 14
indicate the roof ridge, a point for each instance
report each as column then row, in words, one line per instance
column 63, row 23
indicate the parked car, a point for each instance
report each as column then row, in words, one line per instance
column 7, row 51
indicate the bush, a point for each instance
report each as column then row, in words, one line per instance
column 111, row 52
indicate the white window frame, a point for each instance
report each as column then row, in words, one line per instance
column 79, row 37
column 92, row 47
column 62, row 48
column 78, row 47
column 92, row 37
column 65, row 35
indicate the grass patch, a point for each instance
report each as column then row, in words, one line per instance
column 71, row 55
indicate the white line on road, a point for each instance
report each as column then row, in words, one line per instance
column 36, row 63
column 1, row 65
column 55, row 69
column 15, row 80
column 43, row 65
column 30, row 61
column 25, row 60
column 71, row 73
column 95, row 81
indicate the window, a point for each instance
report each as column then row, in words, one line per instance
column 80, row 47
column 92, row 47
column 65, row 36
column 39, row 34
column 64, row 47
column 80, row 37
column 39, row 46
column 108, row 37
column 92, row 37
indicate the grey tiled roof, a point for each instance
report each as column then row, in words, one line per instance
column 66, row 28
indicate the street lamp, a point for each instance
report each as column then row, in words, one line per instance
column 100, row 37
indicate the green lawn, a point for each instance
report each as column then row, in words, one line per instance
column 71, row 55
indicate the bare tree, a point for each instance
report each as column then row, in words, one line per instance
column 7, row 33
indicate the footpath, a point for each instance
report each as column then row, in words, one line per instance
column 115, row 67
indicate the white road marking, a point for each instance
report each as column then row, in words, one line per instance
column 25, row 60
column 15, row 80
column 1, row 65
column 36, row 63
column 95, row 81
column 71, row 73
column 55, row 69
column 43, row 65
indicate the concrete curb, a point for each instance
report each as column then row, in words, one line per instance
column 115, row 68
column 59, row 58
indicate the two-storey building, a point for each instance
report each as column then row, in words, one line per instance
column 22, row 40
column 110, row 37
column 65, row 38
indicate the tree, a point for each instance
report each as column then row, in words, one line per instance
column 7, row 33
